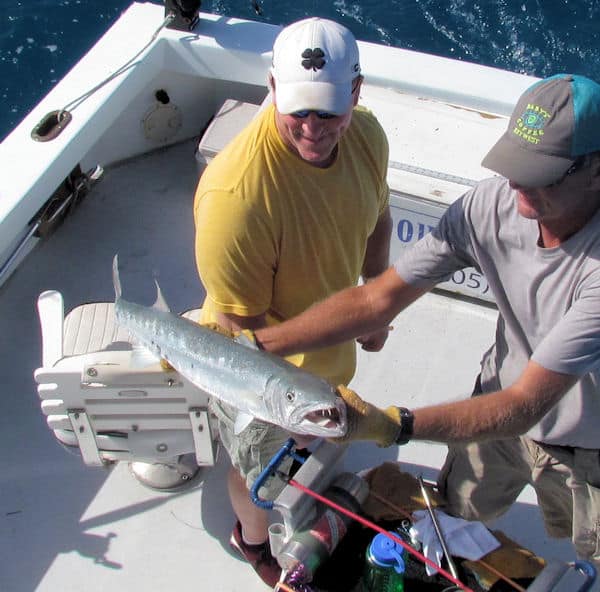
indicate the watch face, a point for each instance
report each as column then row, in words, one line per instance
column 406, row 427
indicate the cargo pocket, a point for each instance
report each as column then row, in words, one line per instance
column 585, row 485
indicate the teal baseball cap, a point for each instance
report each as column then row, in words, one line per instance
column 555, row 121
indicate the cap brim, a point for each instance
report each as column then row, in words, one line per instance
column 525, row 166
column 319, row 96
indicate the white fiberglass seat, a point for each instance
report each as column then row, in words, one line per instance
column 95, row 400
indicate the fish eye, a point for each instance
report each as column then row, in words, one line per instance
column 290, row 396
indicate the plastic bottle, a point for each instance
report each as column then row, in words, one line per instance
column 384, row 570
column 310, row 547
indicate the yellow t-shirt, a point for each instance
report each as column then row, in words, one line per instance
column 275, row 234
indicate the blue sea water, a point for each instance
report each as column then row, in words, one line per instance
column 40, row 40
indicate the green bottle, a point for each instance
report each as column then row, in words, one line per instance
column 384, row 570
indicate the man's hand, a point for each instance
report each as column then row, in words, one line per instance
column 367, row 422
column 374, row 342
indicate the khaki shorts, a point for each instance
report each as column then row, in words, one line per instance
column 252, row 449
column 482, row 480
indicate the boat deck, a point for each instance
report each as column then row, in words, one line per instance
column 66, row 526
column 70, row 527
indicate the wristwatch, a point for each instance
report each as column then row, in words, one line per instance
column 406, row 426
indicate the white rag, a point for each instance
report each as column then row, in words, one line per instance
column 464, row 538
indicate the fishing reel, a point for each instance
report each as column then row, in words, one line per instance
column 309, row 532
column 185, row 14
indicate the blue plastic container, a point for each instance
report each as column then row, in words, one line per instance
column 384, row 569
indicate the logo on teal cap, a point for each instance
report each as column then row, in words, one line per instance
column 530, row 126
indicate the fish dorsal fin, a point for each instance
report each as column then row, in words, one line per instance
column 243, row 339
column 116, row 280
column 142, row 357
column 160, row 303
column 242, row 421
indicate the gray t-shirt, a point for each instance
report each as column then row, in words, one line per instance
column 548, row 300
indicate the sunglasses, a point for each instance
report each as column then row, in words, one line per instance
column 306, row 112
column 576, row 166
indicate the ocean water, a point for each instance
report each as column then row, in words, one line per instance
column 40, row 40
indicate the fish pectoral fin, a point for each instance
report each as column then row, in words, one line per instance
column 242, row 421
column 243, row 339
column 142, row 357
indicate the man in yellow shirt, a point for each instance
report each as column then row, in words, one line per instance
column 294, row 209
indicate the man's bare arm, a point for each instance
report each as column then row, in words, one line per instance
column 502, row 414
column 344, row 316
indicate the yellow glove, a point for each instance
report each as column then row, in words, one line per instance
column 219, row 329
column 239, row 336
column 367, row 422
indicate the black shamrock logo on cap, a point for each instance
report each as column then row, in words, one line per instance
column 313, row 58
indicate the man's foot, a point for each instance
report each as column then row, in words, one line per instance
column 258, row 556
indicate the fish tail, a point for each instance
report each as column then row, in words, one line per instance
column 116, row 280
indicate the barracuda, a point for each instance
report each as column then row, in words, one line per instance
column 259, row 384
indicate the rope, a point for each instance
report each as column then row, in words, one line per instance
column 79, row 100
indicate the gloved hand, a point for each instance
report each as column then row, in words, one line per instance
column 240, row 336
column 219, row 329
column 367, row 422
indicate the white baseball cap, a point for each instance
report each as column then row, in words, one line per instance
column 315, row 61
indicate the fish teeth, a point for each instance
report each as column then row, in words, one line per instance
column 324, row 414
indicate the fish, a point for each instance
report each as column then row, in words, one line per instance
column 259, row 384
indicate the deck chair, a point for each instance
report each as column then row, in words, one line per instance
column 95, row 400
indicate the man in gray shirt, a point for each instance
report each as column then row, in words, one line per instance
column 535, row 234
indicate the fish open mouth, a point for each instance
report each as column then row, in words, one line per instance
column 324, row 418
